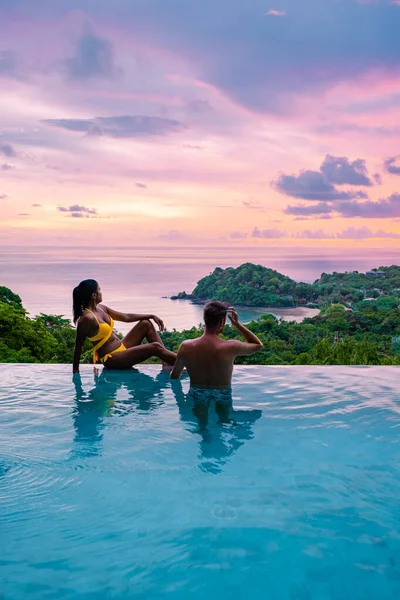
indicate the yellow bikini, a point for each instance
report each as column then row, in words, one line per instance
column 104, row 334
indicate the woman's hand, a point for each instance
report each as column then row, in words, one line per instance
column 158, row 322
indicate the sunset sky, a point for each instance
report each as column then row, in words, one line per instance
column 235, row 122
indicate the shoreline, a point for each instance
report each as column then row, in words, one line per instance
column 299, row 313
column 200, row 302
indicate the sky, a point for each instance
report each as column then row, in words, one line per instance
column 188, row 122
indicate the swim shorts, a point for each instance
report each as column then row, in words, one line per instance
column 208, row 394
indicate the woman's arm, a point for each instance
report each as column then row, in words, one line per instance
column 132, row 317
column 79, row 341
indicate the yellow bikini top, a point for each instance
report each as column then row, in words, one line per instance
column 104, row 333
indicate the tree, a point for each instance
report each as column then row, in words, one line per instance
column 8, row 297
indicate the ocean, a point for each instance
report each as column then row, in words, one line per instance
column 142, row 279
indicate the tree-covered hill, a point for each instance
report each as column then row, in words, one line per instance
column 367, row 334
column 255, row 285
column 252, row 285
column 355, row 286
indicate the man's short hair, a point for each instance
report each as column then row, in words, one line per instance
column 214, row 312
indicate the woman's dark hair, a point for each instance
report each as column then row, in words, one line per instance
column 214, row 313
column 82, row 296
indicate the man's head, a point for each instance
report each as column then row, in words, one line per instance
column 215, row 315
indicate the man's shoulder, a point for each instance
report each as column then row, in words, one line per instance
column 186, row 344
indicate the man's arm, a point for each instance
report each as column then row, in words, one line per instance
column 132, row 317
column 179, row 363
column 252, row 345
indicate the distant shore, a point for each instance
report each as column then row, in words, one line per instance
column 290, row 313
column 201, row 301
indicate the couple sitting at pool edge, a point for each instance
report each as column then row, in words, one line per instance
column 208, row 359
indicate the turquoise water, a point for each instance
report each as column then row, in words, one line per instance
column 117, row 488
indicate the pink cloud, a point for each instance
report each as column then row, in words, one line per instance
column 275, row 13
column 238, row 150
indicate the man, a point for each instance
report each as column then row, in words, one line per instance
column 209, row 359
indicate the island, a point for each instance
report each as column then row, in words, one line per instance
column 258, row 286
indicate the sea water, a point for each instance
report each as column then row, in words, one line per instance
column 142, row 279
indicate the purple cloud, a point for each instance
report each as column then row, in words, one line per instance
column 196, row 107
column 141, row 186
column 8, row 64
column 171, row 236
column 375, row 105
column 351, row 233
column 391, row 166
column 120, row 126
column 313, row 235
column 262, row 63
column 385, row 208
column 94, row 58
column 321, row 208
column 238, row 235
column 3, row 196
column 267, row 233
column 378, row 179
column 340, row 171
column 76, row 210
column 321, row 185
column 36, row 205
column 312, row 185
column 8, row 151
column 251, row 203
column 362, row 233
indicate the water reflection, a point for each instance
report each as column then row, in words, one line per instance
column 222, row 429
column 92, row 407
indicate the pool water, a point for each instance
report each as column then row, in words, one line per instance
column 116, row 487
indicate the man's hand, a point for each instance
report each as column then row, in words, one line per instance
column 233, row 316
column 252, row 345
column 158, row 322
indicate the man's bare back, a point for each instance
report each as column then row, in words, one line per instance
column 209, row 359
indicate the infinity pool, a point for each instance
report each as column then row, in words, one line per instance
column 116, row 487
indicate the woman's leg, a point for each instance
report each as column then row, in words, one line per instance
column 132, row 356
column 143, row 330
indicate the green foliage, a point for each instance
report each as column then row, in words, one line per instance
column 252, row 285
column 43, row 339
column 255, row 285
column 23, row 339
column 8, row 297
column 337, row 336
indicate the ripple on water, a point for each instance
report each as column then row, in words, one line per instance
column 131, row 493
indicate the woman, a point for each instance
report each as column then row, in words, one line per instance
column 96, row 323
